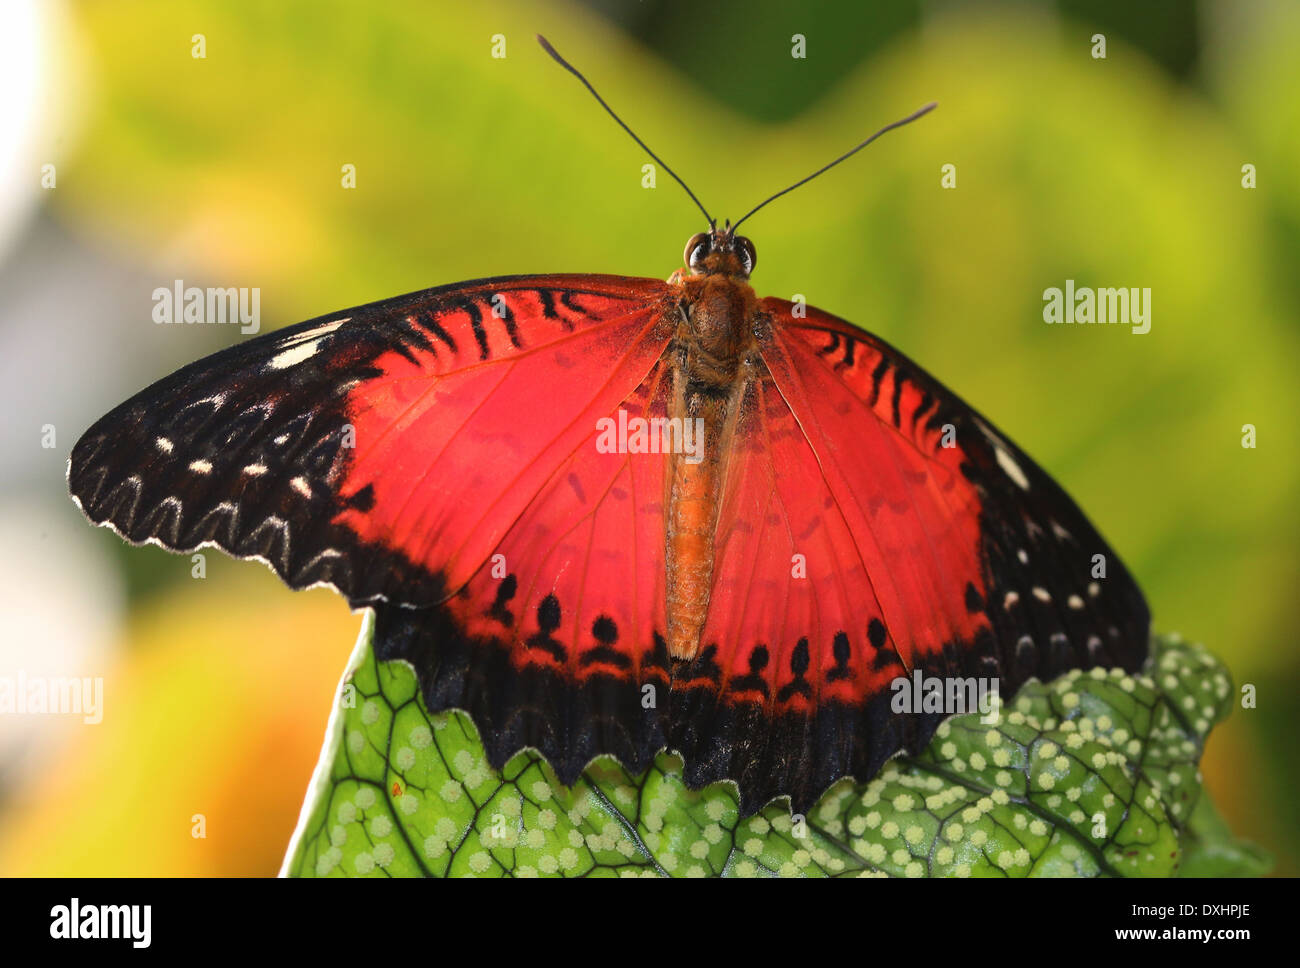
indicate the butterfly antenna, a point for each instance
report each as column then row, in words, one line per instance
column 546, row 46
column 848, row 154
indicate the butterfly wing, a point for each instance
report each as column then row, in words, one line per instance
column 384, row 450
column 556, row 642
column 872, row 525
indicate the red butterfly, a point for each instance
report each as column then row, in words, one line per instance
column 609, row 515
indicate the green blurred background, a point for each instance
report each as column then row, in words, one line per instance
column 226, row 171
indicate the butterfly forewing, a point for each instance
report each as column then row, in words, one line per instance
column 1044, row 571
column 381, row 449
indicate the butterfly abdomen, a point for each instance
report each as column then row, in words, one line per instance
column 709, row 375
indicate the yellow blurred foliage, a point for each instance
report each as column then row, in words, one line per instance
column 219, row 709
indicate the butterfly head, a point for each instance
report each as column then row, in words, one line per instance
column 720, row 252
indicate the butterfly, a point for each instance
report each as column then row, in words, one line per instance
column 617, row 515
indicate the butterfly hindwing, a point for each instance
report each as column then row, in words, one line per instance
column 556, row 642
column 380, row 449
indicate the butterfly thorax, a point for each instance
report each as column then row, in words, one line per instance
column 712, row 356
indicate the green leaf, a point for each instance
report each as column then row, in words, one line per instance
column 1092, row 774
column 1210, row 850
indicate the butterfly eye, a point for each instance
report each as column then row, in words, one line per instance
column 696, row 249
column 748, row 257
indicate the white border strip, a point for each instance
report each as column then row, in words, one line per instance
column 329, row 749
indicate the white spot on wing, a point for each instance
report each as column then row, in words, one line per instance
column 164, row 445
column 294, row 354
column 1042, row 594
column 201, row 466
column 255, row 470
column 302, row 346
column 1011, row 599
column 1013, row 471
column 324, row 329
column 1075, row 602
column 1003, row 454
column 300, row 485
